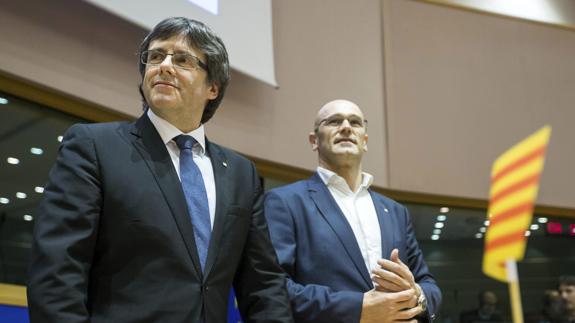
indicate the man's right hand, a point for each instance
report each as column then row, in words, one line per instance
column 386, row 307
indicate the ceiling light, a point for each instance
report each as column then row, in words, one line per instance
column 28, row 217
column 3, row 100
column 60, row 138
column 482, row 229
column 534, row 226
column 486, row 223
column 13, row 161
column 435, row 237
column 527, row 233
column 478, row 235
column 36, row 151
column 444, row 209
column 21, row 195
column 39, row 189
column 441, row 217
column 542, row 220
column 439, row 225
column 4, row 200
column 436, row 231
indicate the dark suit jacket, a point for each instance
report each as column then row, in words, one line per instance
column 318, row 250
column 113, row 240
column 473, row 316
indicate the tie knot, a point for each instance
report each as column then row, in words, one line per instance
column 185, row 142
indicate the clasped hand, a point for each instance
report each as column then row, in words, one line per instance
column 395, row 295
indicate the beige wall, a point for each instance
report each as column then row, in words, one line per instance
column 73, row 48
column 443, row 74
column 463, row 87
column 324, row 50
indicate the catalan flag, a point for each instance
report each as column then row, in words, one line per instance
column 514, row 185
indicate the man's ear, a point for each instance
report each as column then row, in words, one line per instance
column 312, row 137
column 213, row 91
column 365, row 142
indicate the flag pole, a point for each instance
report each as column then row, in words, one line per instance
column 513, row 280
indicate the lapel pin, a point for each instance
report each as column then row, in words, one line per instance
column 225, row 164
column 386, row 210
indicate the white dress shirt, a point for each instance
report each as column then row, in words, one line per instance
column 359, row 211
column 167, row 132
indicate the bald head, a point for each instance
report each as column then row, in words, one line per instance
column 340, row 137
column 335, row 107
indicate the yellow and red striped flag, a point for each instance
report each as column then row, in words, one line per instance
column 514, row 185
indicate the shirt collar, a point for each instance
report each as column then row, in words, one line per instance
column 168, row 131
column 331, row 178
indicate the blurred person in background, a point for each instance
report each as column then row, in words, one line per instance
column 567, row 292
column 487, row 311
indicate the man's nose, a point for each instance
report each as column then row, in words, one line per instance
column 345, row 124
column 167, row 62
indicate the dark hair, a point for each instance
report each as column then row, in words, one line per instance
column 202, row 38
column 482, row 295
column 568, row 280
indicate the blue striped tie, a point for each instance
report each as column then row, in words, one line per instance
column 196, row 197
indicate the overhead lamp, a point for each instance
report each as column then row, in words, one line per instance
column 39, row 189
column 486, row 223
column 21, row 195
column 439, row 225
column 542, row 220
column 435, row 237
column 3, row 100
column 60, row 138
column 28, row 217
column 478, row 235
column 4, row 200
column 441, row 217
column 534, row 226
column 527, row 233
column 482, row 229
column 36, row 151
column 436, row 231
column 444, row 209
column 13, row 161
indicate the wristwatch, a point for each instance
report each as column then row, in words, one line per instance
column 421, row 300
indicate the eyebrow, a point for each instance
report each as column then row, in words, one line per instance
column 176, row 51
column 339, row 115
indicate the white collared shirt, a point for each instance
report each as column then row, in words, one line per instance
column 167, row 132
column 359, row 211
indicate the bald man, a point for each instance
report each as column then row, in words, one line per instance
column 350, row 253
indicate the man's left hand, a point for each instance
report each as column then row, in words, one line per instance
column 394, row 276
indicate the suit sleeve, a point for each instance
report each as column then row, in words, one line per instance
column 65, row 234
column 310, row 302
column 260, row 282
column 420, row 270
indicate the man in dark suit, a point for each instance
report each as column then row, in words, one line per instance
column 330, row 231
column 149, row 221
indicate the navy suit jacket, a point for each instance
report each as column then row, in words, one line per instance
column 327, row 276
column 113, row 240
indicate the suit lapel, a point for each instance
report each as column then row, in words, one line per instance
column 149, row 144
column 330, row 211
column 219, row 164
column 385, row 225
